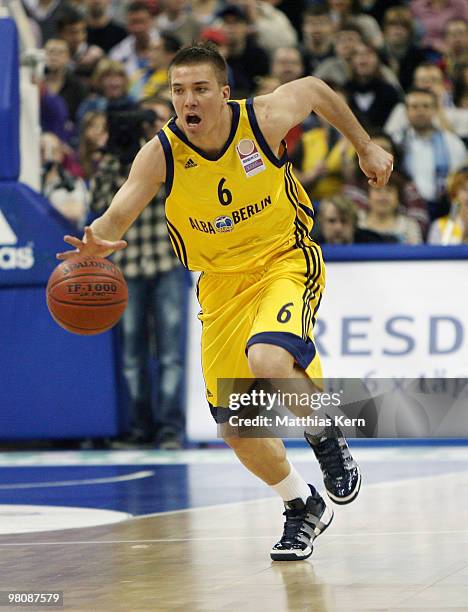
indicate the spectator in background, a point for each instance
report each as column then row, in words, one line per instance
column 403, row 54
column 71, row 26
column 176, row 19
column 67, row 194
column 453, row 228
column 59, row 79
column 456, row 46
column 378, row 8
column 337, row 69
column 204, row 11
column 44, row 13
column 287, row 65
column 429, row 154
column 134, row 51
column 102, row 30
column 338, row 224
column 321, row 160
column 348, row 11
column 271, row 27
column 293, row 9
column 370, row 97
column 151, row 80
column 384, row 215
column 447, row 117
column 110, row 84
column 433, row 16
column 317, row 37
column 54, row 114
column 93, row 139
column 245, row 58
column 411, row 203
column 460, row 94
column 157, row 287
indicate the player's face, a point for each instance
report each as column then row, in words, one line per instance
column 198, row 98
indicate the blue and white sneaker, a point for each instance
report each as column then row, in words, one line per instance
column 341, row 474
column 304, row 522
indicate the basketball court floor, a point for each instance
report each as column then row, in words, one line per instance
column 192, row 530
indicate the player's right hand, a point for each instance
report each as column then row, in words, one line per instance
column 91, row 245
column 376, row 164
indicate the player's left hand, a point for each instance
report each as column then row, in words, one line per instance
column 376, row 164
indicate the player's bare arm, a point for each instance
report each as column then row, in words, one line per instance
column 104, row 236
column 293, row 102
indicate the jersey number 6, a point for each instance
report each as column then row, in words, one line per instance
column 284, row 314
column 224, row 195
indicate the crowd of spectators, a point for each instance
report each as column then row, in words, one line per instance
column 402, row 66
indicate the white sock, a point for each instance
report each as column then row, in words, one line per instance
column 293, row 486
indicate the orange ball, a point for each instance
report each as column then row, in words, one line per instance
column 86, row 295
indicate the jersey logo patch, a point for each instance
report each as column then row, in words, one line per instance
column 224, row 224
column 251, row 159
column 190, row 163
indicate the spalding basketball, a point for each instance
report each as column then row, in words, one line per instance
column 86, row 295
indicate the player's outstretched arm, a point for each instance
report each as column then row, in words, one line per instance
column 293, row 102
column 146, row 176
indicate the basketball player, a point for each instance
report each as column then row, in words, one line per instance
column 236, row 212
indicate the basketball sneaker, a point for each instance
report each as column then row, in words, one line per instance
column 341, row 474
column 304, row 522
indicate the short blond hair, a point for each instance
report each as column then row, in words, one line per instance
column 106, row 67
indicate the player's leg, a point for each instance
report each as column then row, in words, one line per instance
column 341, row 474
column 281, row 345
column 307, row 515
column 229, row 306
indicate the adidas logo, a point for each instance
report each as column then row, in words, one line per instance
column 190, row 163
column 11, row 256
column 7, row 235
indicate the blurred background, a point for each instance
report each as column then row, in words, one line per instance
column 84, row 85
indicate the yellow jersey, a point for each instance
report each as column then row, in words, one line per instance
column 237, row 210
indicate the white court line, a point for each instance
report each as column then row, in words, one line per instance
column 218, row 456
column 374, row 485
column 233, row 538
column 73, row 483
column 390, row 483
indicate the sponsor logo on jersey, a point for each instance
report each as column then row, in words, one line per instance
column 250, row 157
column 13, row 257
column 226, row 223
column 190, row 163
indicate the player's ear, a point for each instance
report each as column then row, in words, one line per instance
column 226, row 90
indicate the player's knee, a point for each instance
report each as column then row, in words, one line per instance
column 270, row 361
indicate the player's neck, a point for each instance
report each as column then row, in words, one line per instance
column 213, row 142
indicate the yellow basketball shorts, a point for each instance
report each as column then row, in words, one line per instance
column 273, row 305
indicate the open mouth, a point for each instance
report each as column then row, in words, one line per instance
column 192, row 119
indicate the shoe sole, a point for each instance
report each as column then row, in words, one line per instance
column 292, row 556
column 342, row 501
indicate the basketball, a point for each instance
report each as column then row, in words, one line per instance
column 86, row 295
